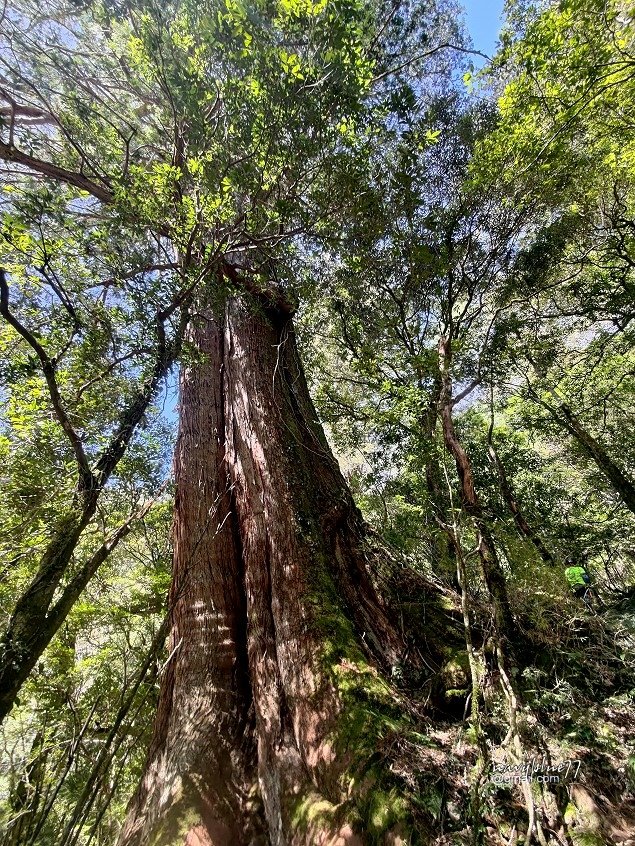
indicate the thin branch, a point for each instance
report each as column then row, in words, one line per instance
column 109, row 369
column 79, row 581
column 445, row 46
column 48, row 370
column 466, row 391
column 167, row 353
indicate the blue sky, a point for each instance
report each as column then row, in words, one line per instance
column 483, row 22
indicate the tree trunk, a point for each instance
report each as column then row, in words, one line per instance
column 30, row 630
column 36, row 617
column 490, row 565
column 199, row 772
column 441, row 551
column 271, row 708
column 512, row 503
column 565, row 417
column 622, row 484
column 25, row 797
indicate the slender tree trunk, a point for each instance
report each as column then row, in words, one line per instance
column 441, row 545
column 565, row 417
column 272, row 692
column 492, row 571
column 512, row 503
column 109, row 748
column 36, row 617
column 30, row 630
column 24, row 799
column 619, row 480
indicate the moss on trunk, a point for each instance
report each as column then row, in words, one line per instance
column 282, row 646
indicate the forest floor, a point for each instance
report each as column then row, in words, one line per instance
column 567, row 771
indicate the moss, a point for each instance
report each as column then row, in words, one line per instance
column 372, row 721
column 587, row 837
column 372, row 726
column 416, row 737
column 448, row 603
column 175, row 826
column 457, row 693
column 371, row 708
column 430, row 799
column 385, row 810
column 471, row 735
column 606, row 736
column 310, row 810
column 312, row 813
column 458, row 667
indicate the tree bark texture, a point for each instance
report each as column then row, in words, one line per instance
column 272, row 705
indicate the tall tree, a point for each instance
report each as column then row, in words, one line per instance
column 438, row 262
column 222, row 131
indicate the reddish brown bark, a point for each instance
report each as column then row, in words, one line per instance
column 272, row 604
column 200, row 765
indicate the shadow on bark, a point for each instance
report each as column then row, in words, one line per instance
column 278, row 723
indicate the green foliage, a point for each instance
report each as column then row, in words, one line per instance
column 67, row 719
column 289, row 138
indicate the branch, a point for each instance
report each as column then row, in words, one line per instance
column 79, row 581
column 149, row 268
column 269, row 297
column 109, row 369
column 27, row 114
column 445, row 46
column 8, row 153
column 48, row 370
column 167, row 353
column 466, row 391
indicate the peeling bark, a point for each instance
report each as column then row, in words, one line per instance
column 271, row 703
